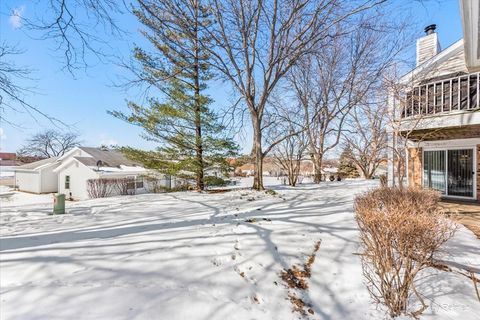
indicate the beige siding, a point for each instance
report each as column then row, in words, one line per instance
column 427, row 47
column 454, row 64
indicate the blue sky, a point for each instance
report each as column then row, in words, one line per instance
column 83, row 99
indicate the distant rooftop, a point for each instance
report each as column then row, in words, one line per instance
column 7, row 155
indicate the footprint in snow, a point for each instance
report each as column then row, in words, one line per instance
column 236, row 246
column 217, row 262
column 257, row 299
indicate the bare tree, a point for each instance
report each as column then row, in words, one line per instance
column 258, row 42
column 12, row 94
column 50, row 143
column 403, row 133
column 10, row 91
column 367, row 138
column 289, row 153
column 330, row 83
column 76, row 26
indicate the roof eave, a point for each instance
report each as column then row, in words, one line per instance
column 469, row 12
column 432, row 62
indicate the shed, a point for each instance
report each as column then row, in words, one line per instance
column 38, row 176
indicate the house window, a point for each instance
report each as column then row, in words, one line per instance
column 139, row 183
column 446, row 96
column 407, row 111
column 422, row 106
column 130, row 184
column 134, row 183
column 67, row 182
column 464, row 93
column 473, row 91
column 455, row 92
column 438, row 97
column 430, row 99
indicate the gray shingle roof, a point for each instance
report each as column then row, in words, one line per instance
column 36, row 164
column 109, row 158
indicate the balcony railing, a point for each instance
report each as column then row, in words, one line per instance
column 443, row 96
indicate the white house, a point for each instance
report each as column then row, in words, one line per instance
column 38, row 176
column 69, row 173
column 439, row 113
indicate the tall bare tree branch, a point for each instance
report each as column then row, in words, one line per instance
column 76, row 27
column 338, row 76
column 258, row 42
column 49, row 143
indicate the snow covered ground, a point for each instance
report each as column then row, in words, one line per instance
column 15, row 199
column 193, row 256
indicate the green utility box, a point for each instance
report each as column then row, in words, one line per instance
column 59, row 203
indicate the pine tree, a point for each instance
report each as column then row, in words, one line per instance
column 189, row 134
column 347, row 167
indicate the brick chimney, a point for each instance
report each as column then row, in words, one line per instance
column 428, row 45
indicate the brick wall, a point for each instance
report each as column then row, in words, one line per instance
column 478, row 173
column 415, row 167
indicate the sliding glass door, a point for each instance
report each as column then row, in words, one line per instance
column 434, row 170
column 452, row 172
column 460, row 173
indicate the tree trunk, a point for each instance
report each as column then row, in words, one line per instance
column 317, row 167
column 257, row 155
column 400, row 174
column 293, row 172
column 365, row 169
column 367, row 174
column 198, row 140
column 293, row 179
column 199, row 155
column 198, row 110
column 290, row 174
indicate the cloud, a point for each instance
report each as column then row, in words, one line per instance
column 15, row 19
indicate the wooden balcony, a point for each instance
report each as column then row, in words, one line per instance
column 443, row 96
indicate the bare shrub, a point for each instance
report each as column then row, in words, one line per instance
column 100, row 188
column 400, row 231
column 383, row 181
column 121, row 185
column 153, row 183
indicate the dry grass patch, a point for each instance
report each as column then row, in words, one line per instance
column 296, row 278
column 298, row 305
